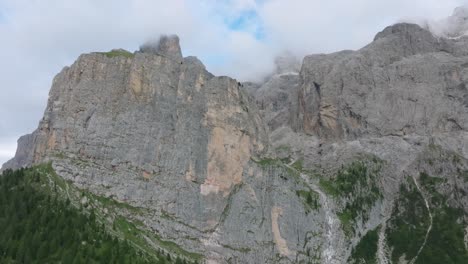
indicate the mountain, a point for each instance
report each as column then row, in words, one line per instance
column 38, row 227
column 351, row 157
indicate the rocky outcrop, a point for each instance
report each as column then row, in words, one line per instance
column 453, row 26
column 277, row 97
column 167, row 46
column 308, row 166
column 23, row 156
column 392, row 100
column 155, row 114
column 164, row 134
column 406, row 73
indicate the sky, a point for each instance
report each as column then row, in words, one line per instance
column 239, row 38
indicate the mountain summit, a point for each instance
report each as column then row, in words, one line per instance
column 353, row 157
column 166, row 46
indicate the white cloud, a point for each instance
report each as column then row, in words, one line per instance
column 7, row 149
column 312, row 26
column 40, row 37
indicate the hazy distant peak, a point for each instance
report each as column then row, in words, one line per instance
column 287, row 62
column 166, row 45
column 453, row 26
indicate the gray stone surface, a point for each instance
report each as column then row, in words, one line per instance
column 23, row 153
column 167, row 46
column 215, row 161
column 405, row 82
column 453, row 26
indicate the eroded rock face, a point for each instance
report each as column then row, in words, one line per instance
column 167, row 121
column 23, row 155
column 397, row 100
column 167, row 46
column 296, row 169
column 287, row 63
column 276, row 98
column 404, row 73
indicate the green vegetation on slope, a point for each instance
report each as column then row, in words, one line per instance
column 356, row 182
column 41, row 225
column 366, row 250
column 270, row 164
column 121, row 216
column 298, row 165
column 408, row 224
column 410, row 221
column 310, row 199
column 117, row 53
column 40, row 228
column 445, row 242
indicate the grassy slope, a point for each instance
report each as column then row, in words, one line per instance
column 105, row 209
column 409, row 223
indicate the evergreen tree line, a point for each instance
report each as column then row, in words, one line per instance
column 39, row 227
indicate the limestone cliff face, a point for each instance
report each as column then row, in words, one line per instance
column 276, row 97
column 401, row 100
column 135, row 109
column 297, row 169
column 169, row 121
column 406, row 82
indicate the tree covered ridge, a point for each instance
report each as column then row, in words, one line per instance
column 39, row 226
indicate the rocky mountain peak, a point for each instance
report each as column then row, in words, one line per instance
column 403, row 30
column 297, row 169
column 287, row 62
column 166, row 45
column 457, row 24
column 461, row 12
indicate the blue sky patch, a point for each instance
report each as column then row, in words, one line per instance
column 243, row 21
column 248, row 21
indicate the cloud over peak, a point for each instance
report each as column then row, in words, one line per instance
column 239, row 38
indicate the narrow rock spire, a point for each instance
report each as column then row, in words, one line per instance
column 167, row 45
